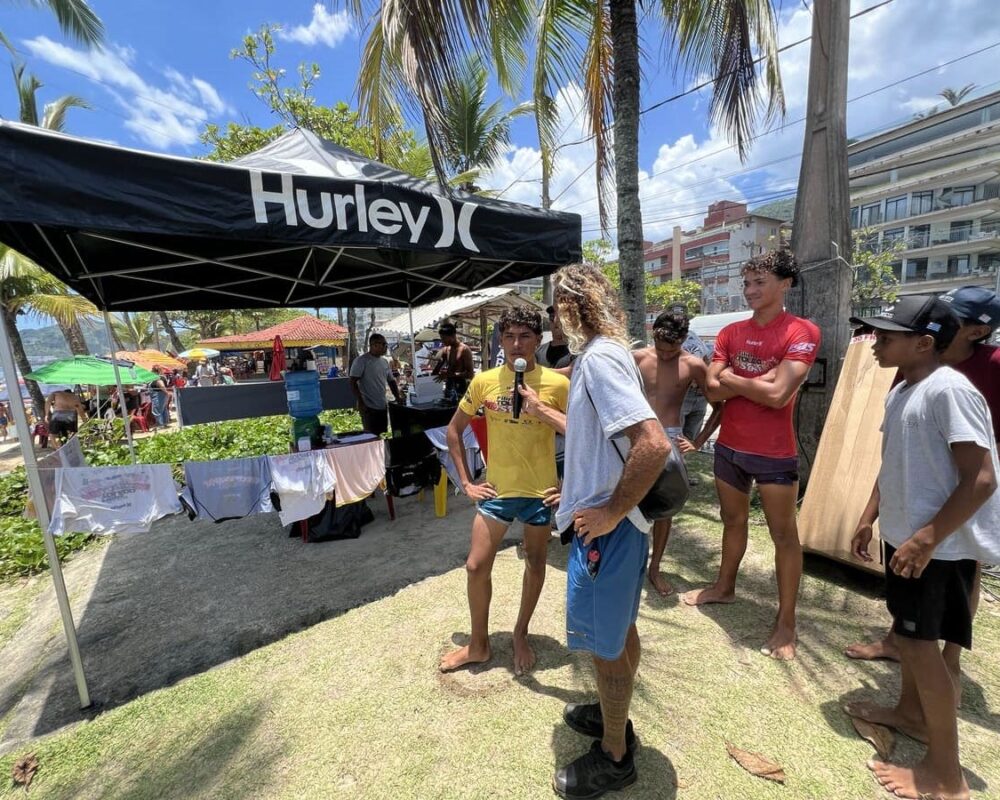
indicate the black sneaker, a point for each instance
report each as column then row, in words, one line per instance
column 593, row 774
column 588, row 720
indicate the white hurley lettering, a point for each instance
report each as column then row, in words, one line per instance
column 385, row 216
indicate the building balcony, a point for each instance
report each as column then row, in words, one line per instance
column 956, row 242
column 944, row 213
column 942, row 281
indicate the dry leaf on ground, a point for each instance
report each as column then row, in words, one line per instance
column 756, row 764
column 24, row 770
column 880, row 737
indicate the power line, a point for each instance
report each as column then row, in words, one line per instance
column 729, row 147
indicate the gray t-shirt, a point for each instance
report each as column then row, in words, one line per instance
column 593, row 468
column 373, row 374
column 918, row 472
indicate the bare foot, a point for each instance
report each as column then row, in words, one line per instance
column 909, row 724
column 873, row 650
column 524, row 656
column 463, row 656
column 916, row 782
column 660, row 583
column 711, row 594
column 781, row 644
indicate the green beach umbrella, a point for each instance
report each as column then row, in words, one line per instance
column 90, row 370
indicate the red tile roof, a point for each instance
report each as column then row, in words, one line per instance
column 298, row 332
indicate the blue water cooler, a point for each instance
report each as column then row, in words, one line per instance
column 304, row 405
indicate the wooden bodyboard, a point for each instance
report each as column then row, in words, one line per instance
column 847, row 459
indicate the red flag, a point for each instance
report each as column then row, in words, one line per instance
column 277, row 359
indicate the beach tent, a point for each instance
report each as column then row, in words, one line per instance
column 300, row 223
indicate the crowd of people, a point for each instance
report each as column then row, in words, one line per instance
column 624, row 417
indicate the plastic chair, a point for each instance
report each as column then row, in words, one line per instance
column 142, row 416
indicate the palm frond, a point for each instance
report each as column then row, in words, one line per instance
column 27, row 86
column 76, row 18
column 54, row 115
column 720, row 38
column 598, row 84
column 64, row 308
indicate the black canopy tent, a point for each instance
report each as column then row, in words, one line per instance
column 300, row 223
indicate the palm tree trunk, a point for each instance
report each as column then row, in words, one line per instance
column 352, row 344
column 73, row 334
column 175, row 340
column 23, row 365
column 131, row 330
column 625, row 43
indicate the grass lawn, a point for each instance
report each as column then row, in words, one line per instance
column 354, row 707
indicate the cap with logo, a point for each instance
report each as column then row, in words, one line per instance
column 975, row 304
column 916, row 313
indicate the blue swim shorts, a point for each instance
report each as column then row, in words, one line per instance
column 530, row 510
column 601, row 607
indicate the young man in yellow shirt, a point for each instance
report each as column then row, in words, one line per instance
column 521, row 468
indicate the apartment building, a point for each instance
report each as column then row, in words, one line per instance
column 932, row 188
column 713, row 253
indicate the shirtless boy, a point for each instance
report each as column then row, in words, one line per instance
column 519, row 475
column 757, row 368
column 667, row 373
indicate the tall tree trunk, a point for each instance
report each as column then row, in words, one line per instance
column 130, row 329
column 352, row 343
column 175, row 340
column 546, row 205
column 73, row 334
column 24, row 367
column 822, row 217
column 625, row 45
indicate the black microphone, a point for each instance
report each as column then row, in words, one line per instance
column 520, row 365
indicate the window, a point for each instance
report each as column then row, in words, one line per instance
column 891, row 236
column 961, row 231
column 895, row 208
column 920, row 236
column 871, row 214
column 923, row 203
column 958, row 265
column 652, row 265
column 716, row 249
column 855, row 216
column 692, row 253
column 958, row 196
column 916, row 269
column 897, row 270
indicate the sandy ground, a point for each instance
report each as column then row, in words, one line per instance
column 152, row 609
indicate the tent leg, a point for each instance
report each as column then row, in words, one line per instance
column 413, row 346
column 42, row 511
column 121, row 393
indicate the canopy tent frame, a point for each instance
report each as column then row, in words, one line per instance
column 159, row 221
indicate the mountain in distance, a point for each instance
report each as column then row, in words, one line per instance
column 48, row 344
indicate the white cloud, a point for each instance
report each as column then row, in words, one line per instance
column 161, row 117
column 692, row 170
column 323, row 28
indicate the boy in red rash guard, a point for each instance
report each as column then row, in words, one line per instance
column 757, row 369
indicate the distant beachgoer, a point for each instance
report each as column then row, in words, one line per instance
column 205, row 373
column 63, row 410
column 160, row 398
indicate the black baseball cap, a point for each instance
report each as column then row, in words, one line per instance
column 916, row 313
column 975, row 304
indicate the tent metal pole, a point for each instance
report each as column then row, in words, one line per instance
column 121, row 393
column 42, row 511
column 413, row 346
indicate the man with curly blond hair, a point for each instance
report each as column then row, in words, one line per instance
column 615, row 448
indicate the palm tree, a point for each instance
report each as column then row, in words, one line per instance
column 474, row 135
column 416, row 47
column 53, row 118
column 134, row 329
column 168, row 326
column 75, row 18
column 26, row 288
column 955, row 97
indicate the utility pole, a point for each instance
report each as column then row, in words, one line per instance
column 822, row 234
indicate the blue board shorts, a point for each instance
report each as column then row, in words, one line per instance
column 530, row 510
column 600, row 608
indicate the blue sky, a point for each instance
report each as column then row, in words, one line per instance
column 166, row 72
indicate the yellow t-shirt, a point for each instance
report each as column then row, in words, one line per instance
column 521, row 452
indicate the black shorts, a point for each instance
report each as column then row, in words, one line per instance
column 62, row 425
column 740, row 470
column 375, row 420
column 935, row 606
